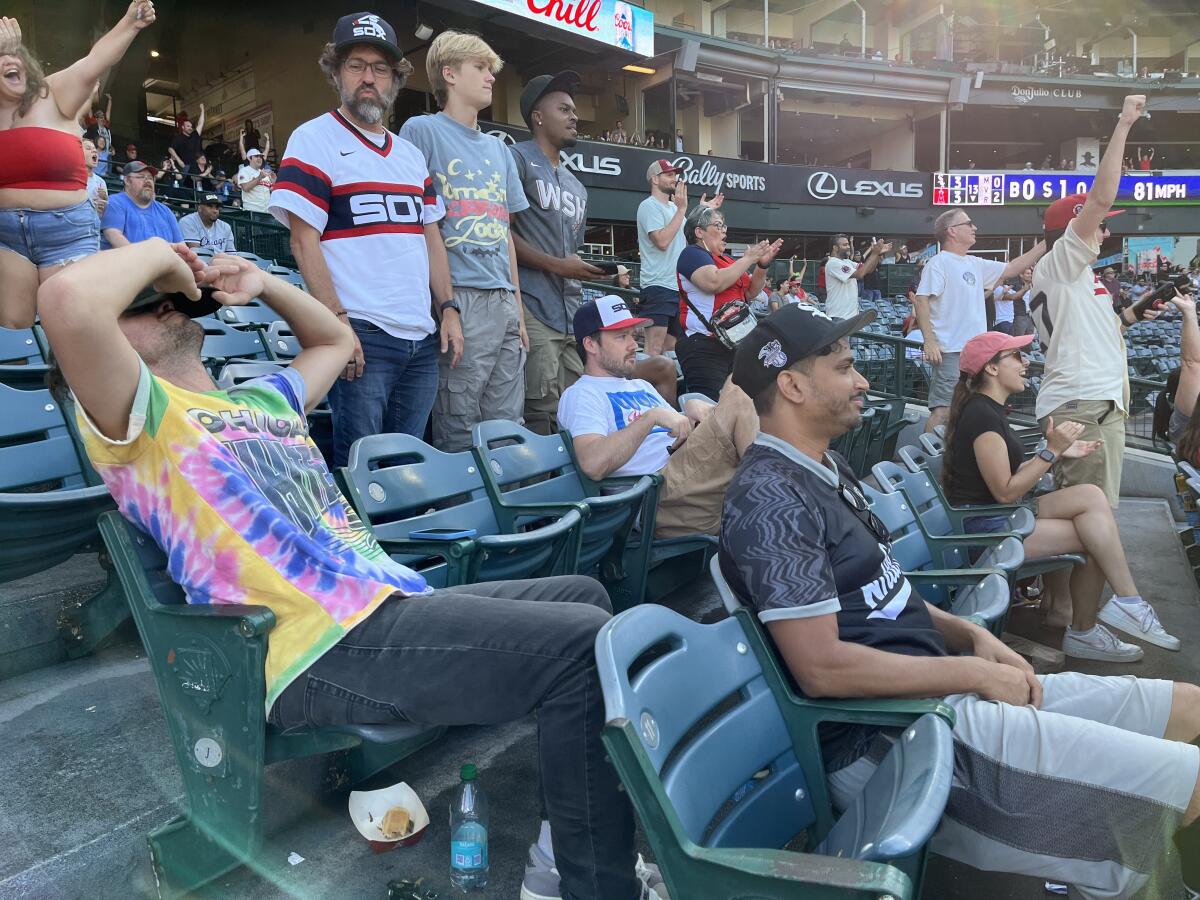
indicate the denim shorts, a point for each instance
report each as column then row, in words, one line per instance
column 51, row 237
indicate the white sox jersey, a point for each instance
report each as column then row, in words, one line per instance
column 371, row 204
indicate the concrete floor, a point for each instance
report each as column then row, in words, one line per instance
column 88, row 772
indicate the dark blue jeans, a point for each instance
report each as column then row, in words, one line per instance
column 483, row 654
column 394, row 394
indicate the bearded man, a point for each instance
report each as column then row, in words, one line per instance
column 363, row 215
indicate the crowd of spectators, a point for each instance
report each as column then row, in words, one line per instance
column 455, row 296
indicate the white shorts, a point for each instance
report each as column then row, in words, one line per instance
column 1083, row 791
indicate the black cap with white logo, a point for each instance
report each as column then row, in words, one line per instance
column 568, row 82
column 365, row 28
column 205, row 306
column 784, row 338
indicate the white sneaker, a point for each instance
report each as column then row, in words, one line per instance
column 1139, row 620
column 541, row 877
column 653, row 886
column 1101, row 644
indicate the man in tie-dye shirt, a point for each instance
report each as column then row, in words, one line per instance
column 232, row 488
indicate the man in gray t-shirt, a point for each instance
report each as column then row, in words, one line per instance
column 477, row 179
column 660, row 241
column 547, row 236
column 204, row 227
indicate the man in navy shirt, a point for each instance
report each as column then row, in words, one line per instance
column 134, row 215
column 1069, row 777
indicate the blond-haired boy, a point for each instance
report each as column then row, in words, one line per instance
column 476, row 177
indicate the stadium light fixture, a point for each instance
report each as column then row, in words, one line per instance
column 641, row 70
column 154, row 54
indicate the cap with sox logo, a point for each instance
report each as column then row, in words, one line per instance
column 608, row 313
column 1059, row 213
column 365, row 28
column 784, row 338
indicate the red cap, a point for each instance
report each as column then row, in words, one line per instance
column 1060, row 212
column 979, row 350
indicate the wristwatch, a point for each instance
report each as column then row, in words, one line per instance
column 1044, row 452
column 449, row 304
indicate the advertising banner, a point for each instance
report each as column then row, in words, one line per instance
column 1143, row 253
column 621, row 167
column 616, row 23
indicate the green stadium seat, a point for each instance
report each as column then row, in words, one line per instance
column 208, row 664
column 717, row 809
column 400, row 485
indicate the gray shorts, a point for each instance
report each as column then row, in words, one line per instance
column 1084, row 790
column 945, row 377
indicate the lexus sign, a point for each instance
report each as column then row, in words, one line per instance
column 621, row 167
column 825, row 187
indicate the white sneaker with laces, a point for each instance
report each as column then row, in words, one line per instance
column 1100, row 644
column 541, row 877
column 1137, row 619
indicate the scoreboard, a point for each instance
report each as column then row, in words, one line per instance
column 1042, row 188
column 968, row 190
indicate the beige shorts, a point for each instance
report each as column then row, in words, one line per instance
column 697, row 474
column 552, row 366
column 1102, row 420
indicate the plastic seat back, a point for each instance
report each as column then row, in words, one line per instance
column 922, row 494
column 18, row 346
column 36, row 450
column 222, row 342
column 729, row 599
column 532, row 469
column 248, row 316
column 235, row 373
column 908, row 544
column 281, row 342
column 933, row 443
column 691, row 709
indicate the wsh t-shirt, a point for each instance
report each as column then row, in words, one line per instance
column 231, row 487
column 792, row 548
column 595, row 405
column 841, row 288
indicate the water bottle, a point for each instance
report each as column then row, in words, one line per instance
column 468, row 833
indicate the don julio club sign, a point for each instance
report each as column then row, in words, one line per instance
column 619, row 167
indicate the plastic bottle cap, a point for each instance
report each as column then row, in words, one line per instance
column 468, row 772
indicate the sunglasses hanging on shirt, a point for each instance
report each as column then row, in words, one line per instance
column 861, row 508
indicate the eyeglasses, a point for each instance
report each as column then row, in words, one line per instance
column 1011, row 354
column 1104, row 227
column 854, row 498
column 357, row 66
column 720, row 226
column 956, row 224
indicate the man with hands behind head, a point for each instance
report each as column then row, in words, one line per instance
column 191, row 465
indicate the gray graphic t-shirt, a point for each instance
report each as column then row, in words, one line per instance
column 554, row 224
column 476, row 178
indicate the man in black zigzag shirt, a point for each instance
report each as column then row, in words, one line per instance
column 1068, row 777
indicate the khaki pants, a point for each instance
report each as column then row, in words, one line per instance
column 1102, row 420
column 697, row 474
column 553, row 365
column 488, row 381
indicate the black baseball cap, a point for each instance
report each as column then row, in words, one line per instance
column 365, row 28
column 210, row 200
column 539, row 87
column 784, row 338
column 205, row 306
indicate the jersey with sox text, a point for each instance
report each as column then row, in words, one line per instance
column 371, row 204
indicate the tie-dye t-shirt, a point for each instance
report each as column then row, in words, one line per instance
column 239, row 498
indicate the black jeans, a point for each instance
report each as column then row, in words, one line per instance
column 482, row 654
column 706, row 363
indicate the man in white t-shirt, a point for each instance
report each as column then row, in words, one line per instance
column 950, row 302
column 622, row 426
column 255, row 183
column 842, row 275
column 1086, row 377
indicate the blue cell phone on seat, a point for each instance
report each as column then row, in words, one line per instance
column 442, row 534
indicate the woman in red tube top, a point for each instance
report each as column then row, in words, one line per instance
column 46, row 220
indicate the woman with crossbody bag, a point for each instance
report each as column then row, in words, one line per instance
column 709, row 281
